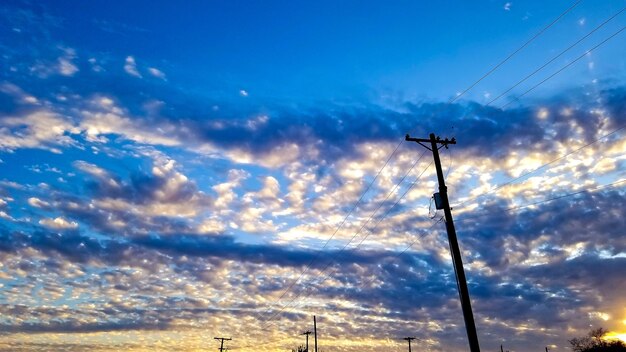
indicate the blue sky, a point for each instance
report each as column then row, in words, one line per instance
column 170, row 173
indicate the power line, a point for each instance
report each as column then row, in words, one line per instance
column 541, row 167
column 543, row 81
column 323, row 271
column 372, row 278
column 556, row 57
column 345, row 246
column 426, row 232
column 333, row 235
column 563, row 68
column 354, row 236
column 518, row 50
column 399, row 144
column 528, row 205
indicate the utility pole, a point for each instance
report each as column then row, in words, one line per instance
column 441, row 202
column 307, row 333
column 409, row 339
column 222, row 339
column 315, row 331
column 547, row 349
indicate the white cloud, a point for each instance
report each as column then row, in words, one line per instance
column 66, row 67
column 95, row 66
column 130, row 67
column 507, row 6
column 17, row 92
column 91, row 169
column 40, row 129
column 582, row 21
column 112, row 120
column 157, row 73
column 58, row 223
column 65, row 64
column 211, row 226
column 243, row 93
column 37, row 203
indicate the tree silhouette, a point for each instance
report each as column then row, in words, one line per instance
column 300, row 349
column 595, row 342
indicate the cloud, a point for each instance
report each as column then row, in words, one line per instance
column 243, row 93
column 40, row 129
column 6, row 216
column 58, row 223
column 95, row 65
column 66, row 66
column 130, row 66
column 507, row 6
column 157, row 73
column 200, row 217
column 19, row 94
column 37, row 203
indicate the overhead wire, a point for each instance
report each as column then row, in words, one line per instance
column 327, row 275
column 308, row 266
column 541, row 167
column 571, row 46
column 564, row 67
column 547, row 200
column 493, row 69
column 545, row 80
column 518, row 50
column 542, row 82
column 362, row 227
column 576, row 3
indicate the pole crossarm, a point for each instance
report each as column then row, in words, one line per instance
column 438, row 140
column 222, row 339
column 307, row 333
column 410, row 339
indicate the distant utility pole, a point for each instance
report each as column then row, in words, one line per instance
column 315, row 331
column 547, row 349
column 441, row 202
column 222, row 339
column 409, row 339
column 307, row 333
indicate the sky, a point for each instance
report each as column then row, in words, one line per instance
column 174, row 172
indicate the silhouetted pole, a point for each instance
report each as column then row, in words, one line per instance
column 315, row 331
column 409, row 339
column 307, row 333
column 546, row 348
column 501, row 348
column 457, row 262
column 222, row 339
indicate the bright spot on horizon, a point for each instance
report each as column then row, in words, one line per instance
column 616, row 336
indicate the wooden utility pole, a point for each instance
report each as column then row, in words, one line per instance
column 307, row 333
column 441, row 202
column 315, row 331
column 222, row 339
column 409, row 339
